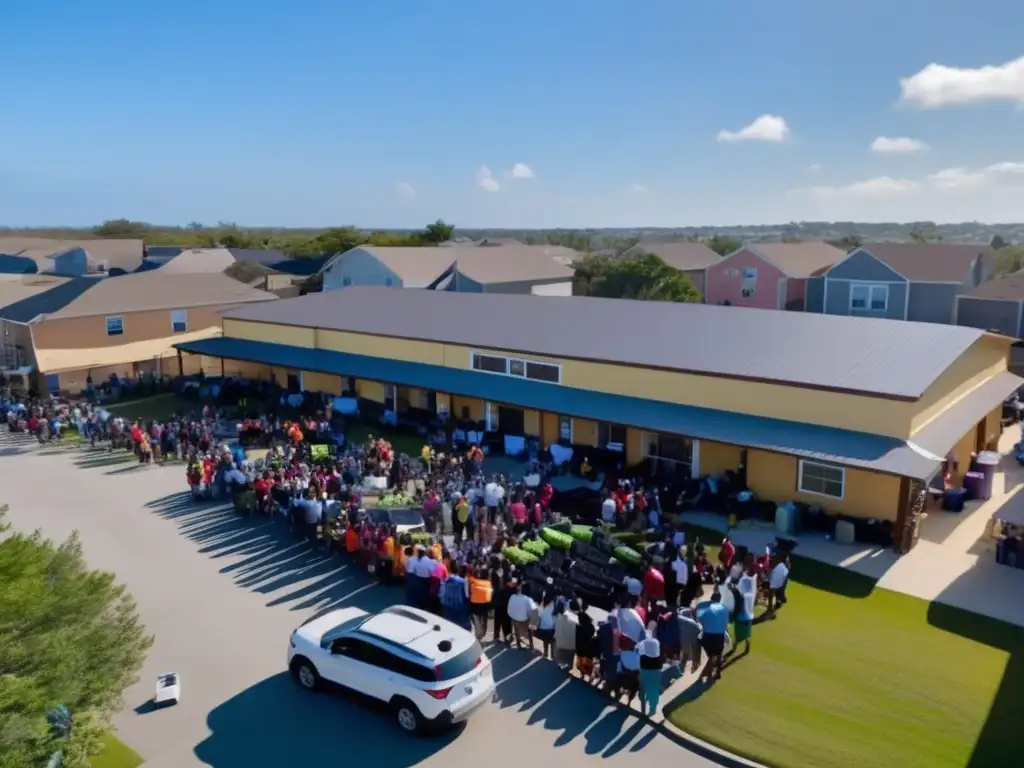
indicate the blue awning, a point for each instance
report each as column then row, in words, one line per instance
column 828, row 444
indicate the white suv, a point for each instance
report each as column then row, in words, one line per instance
column 429, row 671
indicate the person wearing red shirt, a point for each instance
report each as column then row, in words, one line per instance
column 545, row 495
column 520, row 515
column 726, row 553
column 654, row 585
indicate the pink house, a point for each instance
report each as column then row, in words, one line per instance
column 768, row 275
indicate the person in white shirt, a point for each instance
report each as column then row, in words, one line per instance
column 546, row 625
column 777, row 581
column 630, row 624
column 566, row 624
column 608, row 509
column 681, row 570
column 493, row 494
column 520, row 608
column 651, row 663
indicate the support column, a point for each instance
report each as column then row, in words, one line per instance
column 181, row 365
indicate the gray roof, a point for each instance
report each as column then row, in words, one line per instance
column 1007, row 288
column 930, row 262
column 940, row 435
column 116, row 253
column 888, row 358
column 263, row 256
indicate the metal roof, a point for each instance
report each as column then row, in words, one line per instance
column 827, row 444
column 942, row 433
column 1008, row 288
column 49, row 301
column 887, row 358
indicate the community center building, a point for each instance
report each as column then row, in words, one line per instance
column 852, row 414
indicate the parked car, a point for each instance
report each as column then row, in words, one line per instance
column 428, row 672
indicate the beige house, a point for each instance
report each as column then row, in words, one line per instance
column 97, row 327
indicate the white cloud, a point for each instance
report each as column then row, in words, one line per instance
column 521, row 171
column 638, row 189
column 899, row 146
column 814, row 168
column 405, row 190
column 765, row 128
column 881, row 186
column 486, row 179
column 940, row 86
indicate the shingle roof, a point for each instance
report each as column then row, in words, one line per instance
column 682, row 256
column 417, row 267
column 929, row 262
column 880, row 357
column 117, row 253
column 18, row 288
column 145, row 291
column 259, row 255
column 49, row 301
column 800, row 259
column 875, row 452
column 1008, row 288
column 509, row 264
column 199, row 260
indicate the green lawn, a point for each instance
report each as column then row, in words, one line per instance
column 402, row 440
column 153, row 407
column 853, row 676
column 116, row 754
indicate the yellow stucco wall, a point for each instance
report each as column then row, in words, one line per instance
column 867, row 494
column 549, row 427
column 476, row 408
column 994, row 427
column 634, row 446
column 321, row 382
column 986, row 358
column 962, row 453
column 716, row 458
column 371, row 390
column 584, row 432
column 531, row 422
column 275, row 334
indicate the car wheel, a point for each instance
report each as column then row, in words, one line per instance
column 408, row 716
column 305, row 674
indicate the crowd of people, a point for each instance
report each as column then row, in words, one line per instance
column 674, row 609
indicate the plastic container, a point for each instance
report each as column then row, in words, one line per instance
column 988, row 463
column 953, row 499
column 787, row 519
column 974, row 484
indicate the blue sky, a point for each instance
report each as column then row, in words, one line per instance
column 387, row 113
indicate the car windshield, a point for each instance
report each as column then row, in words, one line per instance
column 406, row 517
column 457, row 666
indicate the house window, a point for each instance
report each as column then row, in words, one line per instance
column 869, row 298
column 611, row 437
column 489, row 363
column 750, row 273
column 115, row 326
column 514, row 366
column 565, row 428
column 732, row 272
column 179, row 321
column 388, row 282
column 746, row 293
column 346, row 281
column 544, row 372
column 821, row 479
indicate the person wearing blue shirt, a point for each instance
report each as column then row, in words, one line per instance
column 714, row 618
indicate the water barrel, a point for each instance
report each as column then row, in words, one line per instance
column 988, row 463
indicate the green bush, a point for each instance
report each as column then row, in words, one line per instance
column 517, row 556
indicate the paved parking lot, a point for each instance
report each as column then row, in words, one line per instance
column 221, row 596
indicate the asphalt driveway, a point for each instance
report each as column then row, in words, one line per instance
column 221, row 596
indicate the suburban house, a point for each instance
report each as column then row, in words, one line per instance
column 997, row 305
column 768, row 275
column 692, row 259
column 493, row 269
column 902, row 281
column 69, row 258
column 93, row 327
column 180, row 259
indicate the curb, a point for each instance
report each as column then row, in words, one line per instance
column 699, row 747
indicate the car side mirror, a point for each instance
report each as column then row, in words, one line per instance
column 337, row 647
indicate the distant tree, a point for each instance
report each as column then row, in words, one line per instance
column 998, row 242
column 723, row 245
column 1010, row 259
column 922, row 234
column 70, row 643
column 121, row 228
column 438, row 232
column 647, row 278
column 847, row 242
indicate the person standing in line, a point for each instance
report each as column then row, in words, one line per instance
column 501, row 595
column 651, row 663
column 777, row 581
column 481, row 594
column 689, row 639
column 714, row 618
column 454, row 598
column 546, row 624
column 566, row 624
column 520, row 608
column 743, row 624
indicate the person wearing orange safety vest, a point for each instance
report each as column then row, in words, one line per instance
column 481, row 592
